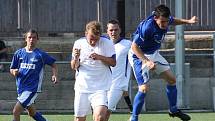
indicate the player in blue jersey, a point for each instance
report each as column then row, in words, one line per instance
column 121, row 72
column 144, row 56
column 28, row 67
column 92, row 58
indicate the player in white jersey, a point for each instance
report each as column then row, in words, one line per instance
column 121, row 72
column 91, row 58
column 28, row 66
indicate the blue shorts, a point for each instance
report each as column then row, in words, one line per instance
column 27, row 98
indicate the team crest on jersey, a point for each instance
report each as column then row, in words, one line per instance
column 158, row 39
column 33, row 60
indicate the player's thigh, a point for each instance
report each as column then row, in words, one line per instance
column 100, row 112
column 81, row 104
column 98, row 98
column 114, row 95
column 17, row 108
column 168, row 76
column 27, row 98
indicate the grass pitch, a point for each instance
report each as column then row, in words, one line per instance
column 121, row 117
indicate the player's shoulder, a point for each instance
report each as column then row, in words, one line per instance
column 19, row 51
column 105, row 39
column 126, row 41
column 37, row 50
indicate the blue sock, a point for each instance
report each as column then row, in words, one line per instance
column 137, row 105
column 38, row 117
column 171, row 92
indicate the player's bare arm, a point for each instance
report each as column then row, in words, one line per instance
column 54, row 73
column 192, row 20
column 75, row 63
column 141, row 56
column 14, row 72
column 107, row 60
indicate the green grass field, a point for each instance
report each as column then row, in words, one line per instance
column 121, row 117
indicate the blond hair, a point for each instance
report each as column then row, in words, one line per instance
column 94, row 27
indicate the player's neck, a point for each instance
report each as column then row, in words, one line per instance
column 29, row 48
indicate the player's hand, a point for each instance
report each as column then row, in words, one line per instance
column 54, row 79
column 15, row 72
column 193, row 20
column 94, row 56
column 150, row 64
column 76, row 53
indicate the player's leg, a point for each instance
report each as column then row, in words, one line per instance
column 81, row 106
column 138, row 102
column 34, row 114
column 127, row 100
column 141, row 74
column 114, row 95
column 171, row 92
column 17, row 111
column 99, row 104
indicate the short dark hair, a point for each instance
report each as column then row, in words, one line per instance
column 31, row 31
column 162, row 10
column 113, row 21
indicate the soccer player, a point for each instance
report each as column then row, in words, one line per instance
column 92, row 57
column 28, row 67
column 144, row 56
column 121, row 72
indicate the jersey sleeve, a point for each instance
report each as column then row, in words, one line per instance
column 15, row 61
column 110, row 50
column 145, row 32
column 48, row 59
column 171, row 20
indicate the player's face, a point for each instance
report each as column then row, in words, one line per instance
column 162, row 22
column 113, row 31
column 31, row 39
column 92, row 38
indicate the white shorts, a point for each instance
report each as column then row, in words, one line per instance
column 27, row 98
column 140, row 69
column 84, row 101
column 114, row 96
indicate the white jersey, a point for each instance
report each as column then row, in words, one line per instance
column 93, row 75
column 122, row 71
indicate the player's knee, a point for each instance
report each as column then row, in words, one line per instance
column 143, row 88
column 16, row 112
column 172, row 82
column 31, row 113
column 100, row 117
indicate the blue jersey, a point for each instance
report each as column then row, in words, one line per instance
column 149, row 36
column 31, row 67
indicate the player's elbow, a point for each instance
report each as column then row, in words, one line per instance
column 113, row 63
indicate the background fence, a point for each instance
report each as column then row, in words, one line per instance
column 59, row 16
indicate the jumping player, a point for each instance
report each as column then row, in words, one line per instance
column 28, row 67
column 144, row 56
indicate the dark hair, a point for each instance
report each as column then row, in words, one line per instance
column 162, row 10
column 31, row 31
column 114, row 21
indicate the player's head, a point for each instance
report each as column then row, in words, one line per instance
column 93, row 32
column 161, row 16
column 113, row 29
column 31, row 38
